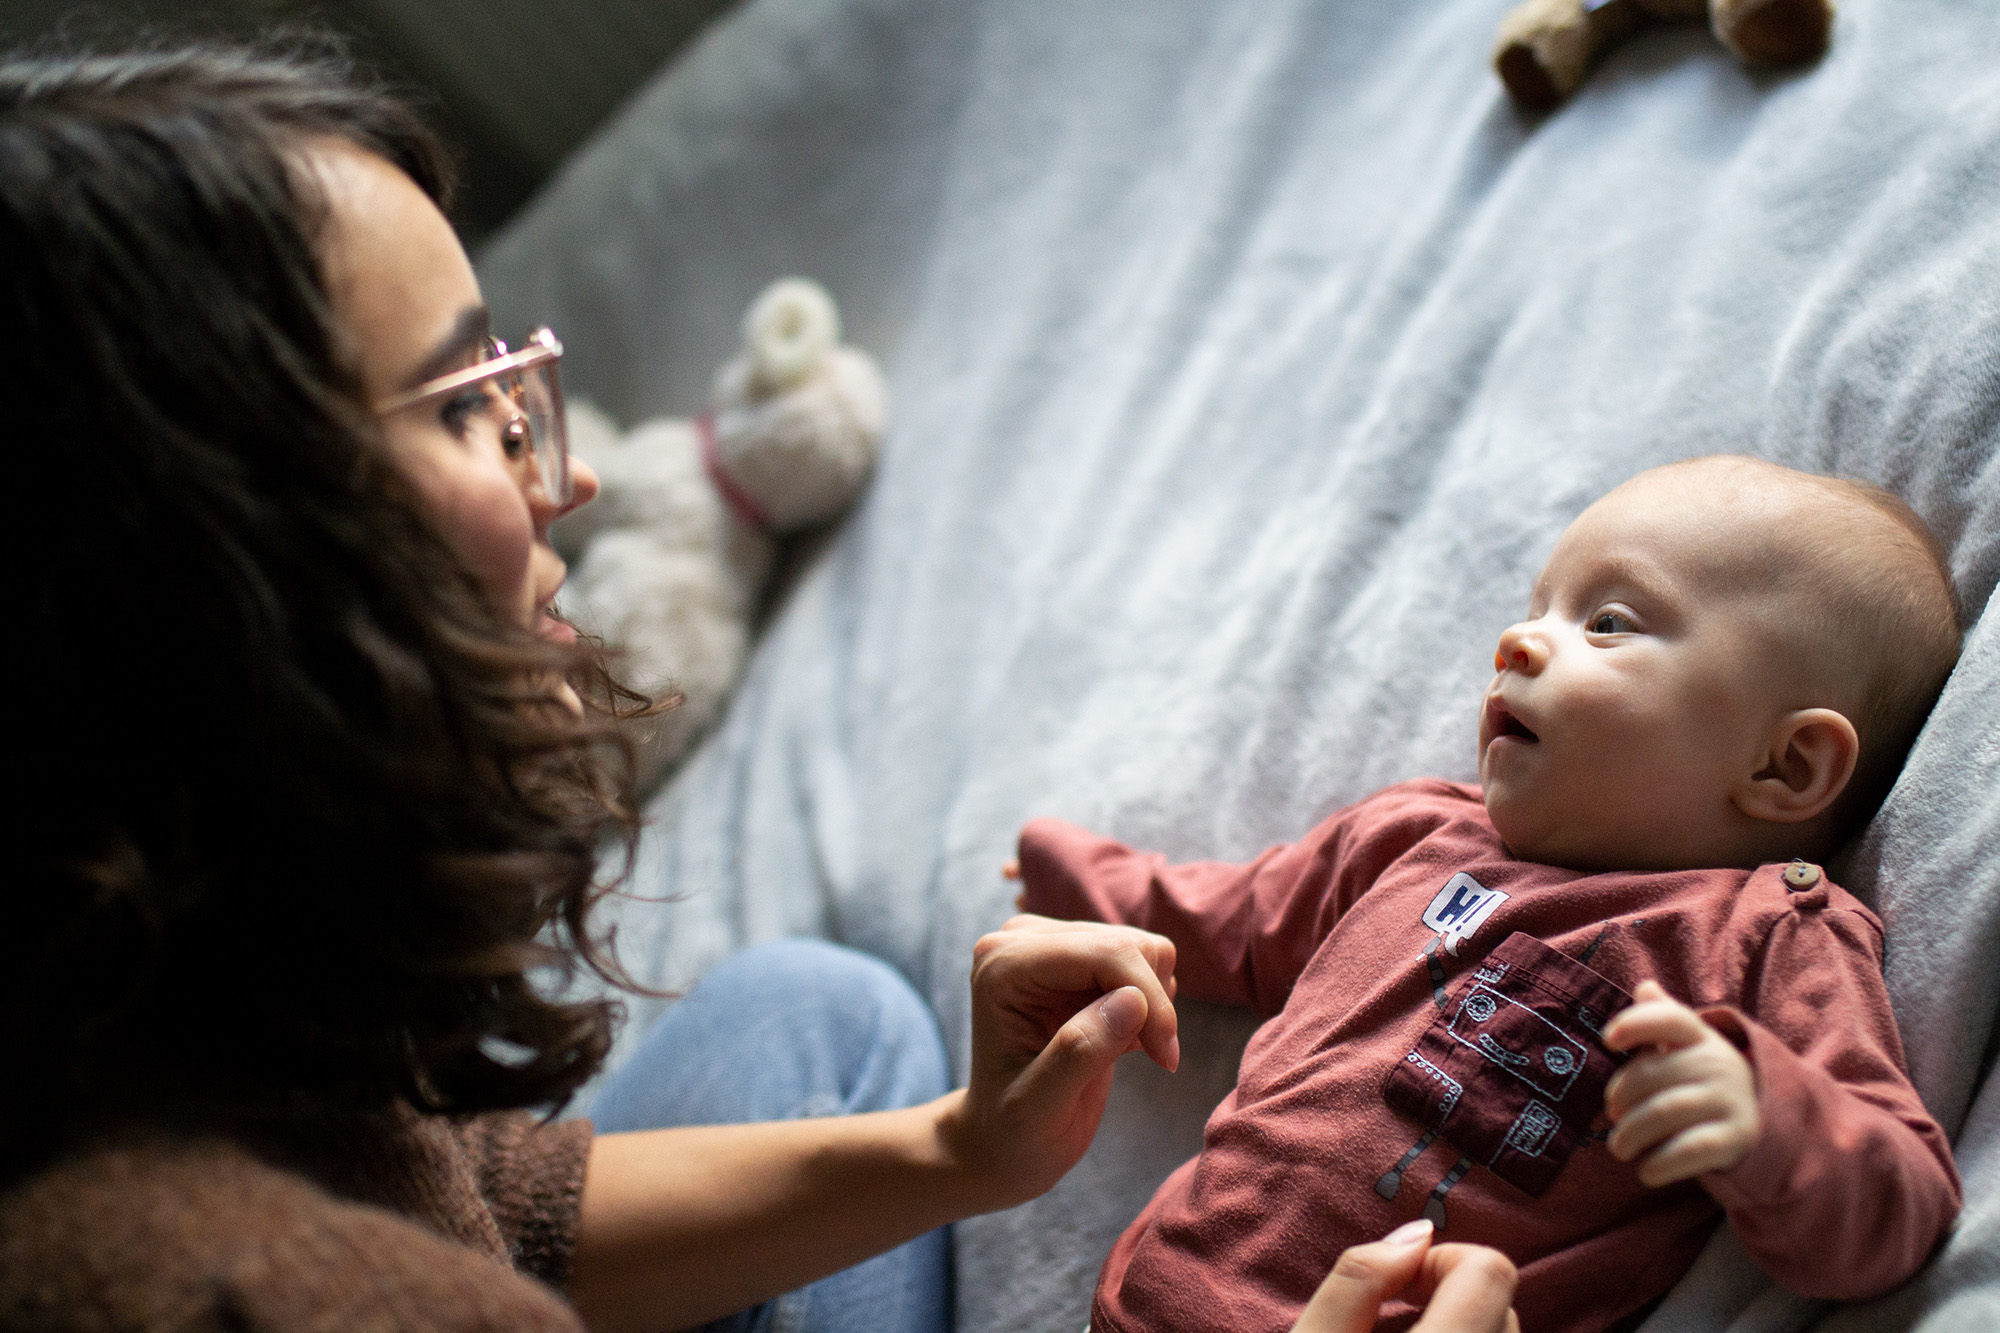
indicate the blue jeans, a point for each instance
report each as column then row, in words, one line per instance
column 782, row 1031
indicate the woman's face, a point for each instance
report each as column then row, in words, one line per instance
column 403, row 289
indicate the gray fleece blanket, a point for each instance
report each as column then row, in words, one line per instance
column 1247, row 357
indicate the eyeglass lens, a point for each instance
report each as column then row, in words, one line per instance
column 534, row 399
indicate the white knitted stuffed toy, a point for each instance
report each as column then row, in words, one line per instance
column 669, row 563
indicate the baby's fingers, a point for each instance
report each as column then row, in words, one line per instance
column 1709, row 1146
column 1658, row 1118
column 1654, row 1019
column 1650, row 1074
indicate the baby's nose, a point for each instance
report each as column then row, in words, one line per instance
column 1520, row 650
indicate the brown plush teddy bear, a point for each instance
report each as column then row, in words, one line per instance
column 1546, row 47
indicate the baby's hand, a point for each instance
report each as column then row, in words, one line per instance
column 1012, row 870
column 1688, row 1101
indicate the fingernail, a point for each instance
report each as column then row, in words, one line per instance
column 1409, row 1233
column 1173, row 1054
column 1124, row 1017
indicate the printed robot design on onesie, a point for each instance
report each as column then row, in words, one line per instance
column 1459, row 908
column 1511, row 1071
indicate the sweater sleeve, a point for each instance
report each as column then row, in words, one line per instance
column 205, row 1237
column 530, row 1173
column 1850, row 1185
column 1242, row 933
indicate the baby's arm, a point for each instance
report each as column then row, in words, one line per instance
column 1835, row 1179
column 1243, row 932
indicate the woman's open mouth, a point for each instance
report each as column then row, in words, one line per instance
column 550, row 625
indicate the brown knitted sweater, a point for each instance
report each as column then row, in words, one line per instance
column 403, row 1222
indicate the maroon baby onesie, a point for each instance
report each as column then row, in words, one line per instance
column 1433, row 1050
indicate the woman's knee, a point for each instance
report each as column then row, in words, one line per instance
column 846, row 1006
column 781, row 1030
column 822, row 982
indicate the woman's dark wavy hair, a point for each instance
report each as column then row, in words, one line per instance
column 298, row 820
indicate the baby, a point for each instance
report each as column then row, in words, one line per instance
column 1479, row 998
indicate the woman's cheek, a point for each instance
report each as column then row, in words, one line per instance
column 483, row 516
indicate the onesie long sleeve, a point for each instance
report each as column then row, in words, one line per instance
column 1433, row 1051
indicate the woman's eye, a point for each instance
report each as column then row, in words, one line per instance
column 514, row 437
column 459, row 410
column 1610, row 622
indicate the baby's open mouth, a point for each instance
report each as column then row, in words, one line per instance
column 1504, row 723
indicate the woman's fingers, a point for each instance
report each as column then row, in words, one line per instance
column 1460, row 1288
column 1159, row 950
column 1471, row 1290
column 1362, row 1278
column 1044, row 971
column 1031, row 1111
column 1070, row 1079
column 1054, row 1004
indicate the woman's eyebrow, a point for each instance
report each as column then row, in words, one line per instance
column 455, row 350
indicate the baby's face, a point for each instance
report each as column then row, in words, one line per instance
column 1640, row 689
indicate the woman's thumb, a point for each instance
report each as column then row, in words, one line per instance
column 1364, row 1276
column 1084, row 1048
column 1122, row 1013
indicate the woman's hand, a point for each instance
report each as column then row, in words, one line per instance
column 1054, row 1004
column 678, row 1226
column 1461, row 1288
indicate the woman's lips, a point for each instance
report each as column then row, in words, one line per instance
column 551, row 628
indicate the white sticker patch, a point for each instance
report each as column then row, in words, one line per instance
column 1461, row 905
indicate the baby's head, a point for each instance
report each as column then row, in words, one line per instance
column 1724, row 663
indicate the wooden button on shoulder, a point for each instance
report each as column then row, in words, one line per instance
column 1801, row 875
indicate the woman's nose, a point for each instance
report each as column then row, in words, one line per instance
column 1521, row 649
column 583, row 487
column 582, row 484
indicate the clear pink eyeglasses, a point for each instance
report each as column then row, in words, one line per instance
column 521, row 393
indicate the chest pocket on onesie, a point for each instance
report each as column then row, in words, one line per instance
column 1511, row 1072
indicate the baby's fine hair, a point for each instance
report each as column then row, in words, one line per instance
column 1889, row 596
column 1879, row 608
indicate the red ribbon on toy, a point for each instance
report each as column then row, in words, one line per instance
column 734, row 495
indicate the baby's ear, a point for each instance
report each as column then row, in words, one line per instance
column 1808, row 763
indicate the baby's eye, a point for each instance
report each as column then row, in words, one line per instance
column 1611, row 622
column 460, row 408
